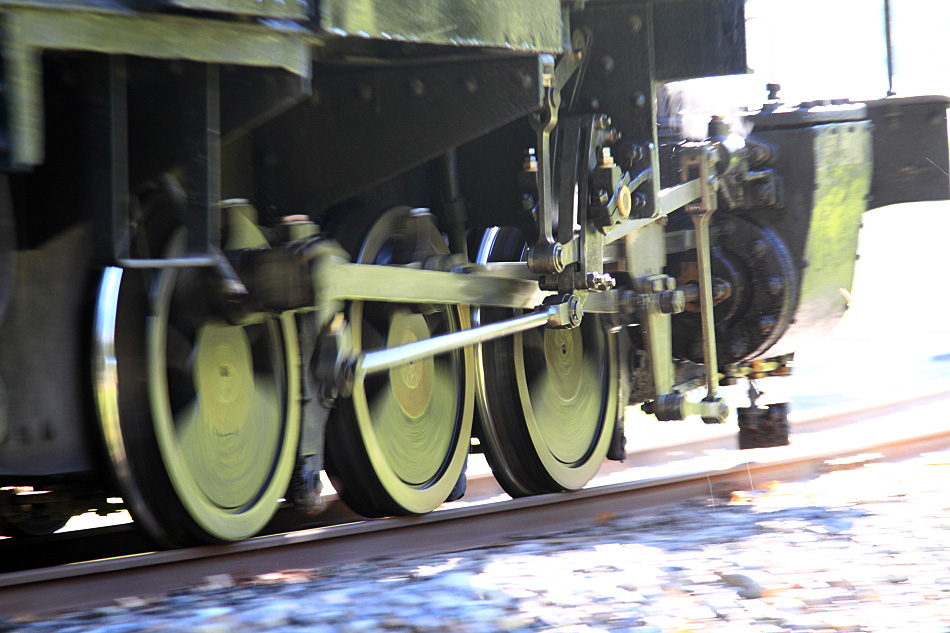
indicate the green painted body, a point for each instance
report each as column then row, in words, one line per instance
column 519, row 25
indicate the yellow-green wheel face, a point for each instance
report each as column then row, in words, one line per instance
column 562, row 399
column 567, row 391
column 415, row 421
column 409, row 405
column 224, row 411
column 398, row 445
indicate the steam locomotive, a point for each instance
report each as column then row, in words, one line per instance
column 244, row 242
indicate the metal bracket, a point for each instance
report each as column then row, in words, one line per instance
column 541, row 258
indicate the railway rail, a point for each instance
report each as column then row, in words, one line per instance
column 130, row 570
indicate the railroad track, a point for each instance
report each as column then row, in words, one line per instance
column 886, row 431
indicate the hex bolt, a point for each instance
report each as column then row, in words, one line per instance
column 600, row 281
column 633, row 153
column 602, row 121
column 639, row 99
column 671, row 301
column 607, row 65
column 576, row 311
column 657, row 285
column 638, row 202
column 530, row 160
column 759, row 249
column 604, row 159
column 766, row 324
column 636, row 23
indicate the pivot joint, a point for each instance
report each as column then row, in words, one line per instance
column 565, row 312
column 675, row 406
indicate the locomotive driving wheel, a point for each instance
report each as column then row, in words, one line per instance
column 200, row 415
column 547, row 398
column 398, row 444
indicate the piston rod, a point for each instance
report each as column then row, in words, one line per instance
column 385, row 359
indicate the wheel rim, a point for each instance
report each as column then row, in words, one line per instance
column 215, row 453
column 398, row 445
column 547, row 398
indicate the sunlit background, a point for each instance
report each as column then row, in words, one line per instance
column 832, row 49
